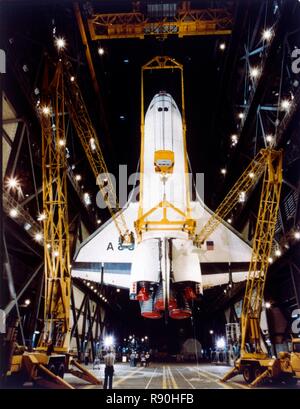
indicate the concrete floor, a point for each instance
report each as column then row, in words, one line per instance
column 170, row 376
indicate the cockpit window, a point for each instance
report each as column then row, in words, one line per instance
column 159, row 109
column 166, row 109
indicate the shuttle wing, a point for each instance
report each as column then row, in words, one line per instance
column 100, row 258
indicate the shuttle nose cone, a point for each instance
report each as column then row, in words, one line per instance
column 164, row 99
column 162, row 96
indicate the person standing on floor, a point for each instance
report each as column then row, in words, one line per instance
column 109, row 361
column 147, row 356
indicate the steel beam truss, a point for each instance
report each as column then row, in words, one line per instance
column 244, row 184
column 186, row 22
column 262, row 246
column 55, row 210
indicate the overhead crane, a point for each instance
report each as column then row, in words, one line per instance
column 182, row 22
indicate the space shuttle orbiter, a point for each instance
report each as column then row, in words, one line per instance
column 163, row 270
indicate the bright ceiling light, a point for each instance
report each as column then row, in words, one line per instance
column 62, row 142
column 229, row 221
column 285, row 104
column 242, row 197
column 93, row 144
column 254, row 72
column 220, row 344
column 223, row 171
column 267, row 34
column 98, row 221
column 108, row 341
column 268, row 304
column 41, row 217
column 118, row 290
column 297, row 235
column 38, row 237
column 72, row 78
column 46, row 110
column 277, row 252
column 27, row 226
column 60, row 43
column 234, row 138
column 27, row 301
column 13, row 213
column 222, row 46
column 78, row 178
column 269, row 138
column 270, row 260
column 100, row 50
column 12, row 183
column 251, row 175
column 241, row 115
column 87, row 199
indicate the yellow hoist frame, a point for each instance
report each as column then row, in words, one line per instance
column 143, row 223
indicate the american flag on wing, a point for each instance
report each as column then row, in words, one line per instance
column 209, row 245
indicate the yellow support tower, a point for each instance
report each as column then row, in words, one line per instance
column 262, row 246
column 55, row 214
column 254, row 363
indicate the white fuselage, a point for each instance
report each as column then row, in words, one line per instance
column 163, row 131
